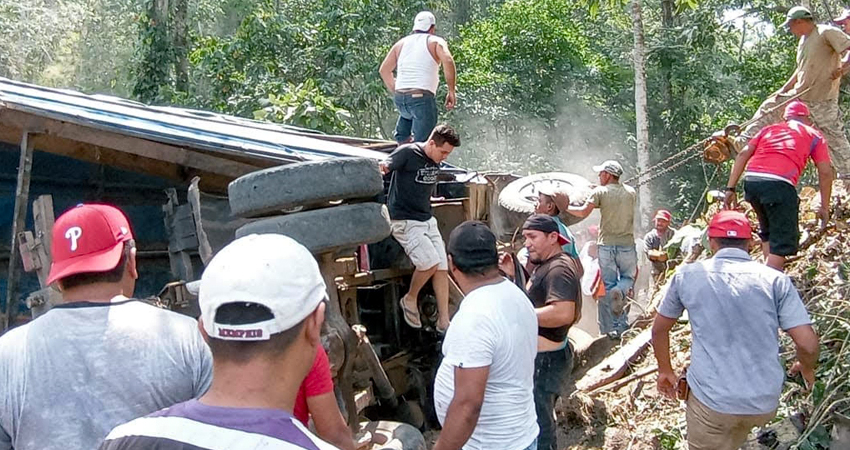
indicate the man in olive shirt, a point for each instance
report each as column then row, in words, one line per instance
column 616, row 243
column 822, row 59
column 554, row 290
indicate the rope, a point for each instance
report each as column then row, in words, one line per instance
column 664, row 166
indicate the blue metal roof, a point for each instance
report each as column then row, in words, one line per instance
column 209, row 132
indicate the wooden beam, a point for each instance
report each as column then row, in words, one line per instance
column 210, row 182
column 614, row 366
column 19, row 215
column 127, row 144
column 43, row 218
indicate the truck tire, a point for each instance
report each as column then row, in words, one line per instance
column 303, row 184
column 520, row 195
column 328, row 229
column 387, row 435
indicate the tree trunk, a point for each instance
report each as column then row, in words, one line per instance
column 641, row 122
column 670, row 136
column 180, row 29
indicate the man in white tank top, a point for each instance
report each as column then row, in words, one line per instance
column 416, row 59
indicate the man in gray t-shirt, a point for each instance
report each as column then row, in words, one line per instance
column 736, row 307
column 98, row 359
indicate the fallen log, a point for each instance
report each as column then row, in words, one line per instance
column 614, row 367
column 617, row 384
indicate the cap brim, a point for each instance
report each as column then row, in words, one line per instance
column 563, row 239
column 102, row 261
column 598, row 168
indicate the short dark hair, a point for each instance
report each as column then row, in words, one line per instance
column 472, row 270
column 241, row 313
column 443, row 133
column 110, row 276
column 723, row 242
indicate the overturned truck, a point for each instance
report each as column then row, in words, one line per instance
column 210, row 178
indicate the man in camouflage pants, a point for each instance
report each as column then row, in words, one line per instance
column 818, row 73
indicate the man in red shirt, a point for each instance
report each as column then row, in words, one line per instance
column 774, row 160
column 316, row 398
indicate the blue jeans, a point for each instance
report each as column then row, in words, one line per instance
column 417, row 113
column 618, row 264
column 550, row 373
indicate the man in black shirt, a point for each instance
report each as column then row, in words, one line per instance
column 555, row 291
column 413, row 170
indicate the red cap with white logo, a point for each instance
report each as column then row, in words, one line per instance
column 730, row 224
column 88, row 238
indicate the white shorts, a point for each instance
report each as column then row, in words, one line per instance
column 422, row 243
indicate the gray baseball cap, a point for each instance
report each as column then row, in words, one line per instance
column 610, row 166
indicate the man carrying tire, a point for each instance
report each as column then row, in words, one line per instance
column 413, row 170
column 617, row 254
column 417, row 59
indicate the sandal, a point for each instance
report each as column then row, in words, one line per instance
column 411, row 316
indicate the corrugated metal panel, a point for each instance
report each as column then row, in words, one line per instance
column 209, row 132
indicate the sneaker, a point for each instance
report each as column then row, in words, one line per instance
column 618, row 302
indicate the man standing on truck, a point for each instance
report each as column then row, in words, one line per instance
column 822, row 59
column 554, row 290
column 413, row 170
column 100, row 358
column 736, row 308
column 416, row 59
column 483, row 392
column 264, row 331
column 774, row 160
column 616, row 245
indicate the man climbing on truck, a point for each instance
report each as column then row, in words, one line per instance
column 413, row 170
column 416, row 58
column 774, row 160
column 822, row 59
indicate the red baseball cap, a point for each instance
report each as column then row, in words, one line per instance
column 88, row 238
column 730, row 224
column 664, row 214
column 796, row 109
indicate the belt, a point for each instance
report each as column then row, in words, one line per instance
column 414, row 92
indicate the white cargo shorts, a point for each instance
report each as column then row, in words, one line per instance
column 422, row 243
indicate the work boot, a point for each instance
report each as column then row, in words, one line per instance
column 618, row 301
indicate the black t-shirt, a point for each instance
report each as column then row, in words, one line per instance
column 556, row 279
column 413, row 177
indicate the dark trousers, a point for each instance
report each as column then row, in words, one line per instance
column 550, row 373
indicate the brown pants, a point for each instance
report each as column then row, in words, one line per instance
column 711, row 430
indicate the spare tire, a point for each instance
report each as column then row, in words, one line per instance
column 328, row 229
column 304, row 184
column 520, row 195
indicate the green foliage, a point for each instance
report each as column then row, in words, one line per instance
column 304, row 105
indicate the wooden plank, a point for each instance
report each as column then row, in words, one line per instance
column 19, row 215
column 127, row 144
column 615, row 366
column 43, row 218
column 100, row 155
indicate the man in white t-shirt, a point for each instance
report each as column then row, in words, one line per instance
column 483, row 392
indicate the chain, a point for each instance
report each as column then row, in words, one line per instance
column 662, row 167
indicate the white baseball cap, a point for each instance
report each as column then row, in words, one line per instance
column 268, row 269
column 610, row 166
column 424, row 21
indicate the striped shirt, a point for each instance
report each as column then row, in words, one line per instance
column 193, row 425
